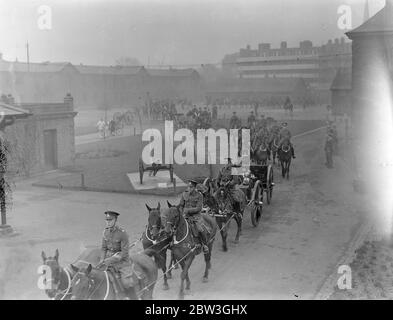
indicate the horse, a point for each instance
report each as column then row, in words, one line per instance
column 185, row 247
column 261, row 153
column 274, row 145
column 92, row 283
column 60, row 280
column 155, row 237
column 285, row 157
column 222, row 210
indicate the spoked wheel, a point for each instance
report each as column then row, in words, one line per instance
column 269, row 184
column 256, row 203
column 171, row 172
column 141, row 170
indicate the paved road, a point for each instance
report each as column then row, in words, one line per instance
column 301, row 236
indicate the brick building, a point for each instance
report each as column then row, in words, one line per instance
column 41, row 136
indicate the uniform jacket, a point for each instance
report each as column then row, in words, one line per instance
column 192, row 201
column 115, row 240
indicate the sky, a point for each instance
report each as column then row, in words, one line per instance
column 165, row 32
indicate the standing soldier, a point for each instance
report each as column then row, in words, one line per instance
column 191, row 202
column 329, row 145
column 251, row 120
column 114, row 252
column 235, row 122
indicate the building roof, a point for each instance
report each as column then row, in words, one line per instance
column 381, row 22
column 10, row 110
column 268, row 85
column 342, row 80
column 171, row 72
column 32, row 67
column 125, row 70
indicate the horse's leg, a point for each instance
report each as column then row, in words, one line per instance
column 187, row 265
column 224, row 234
column 282, row 169
column 165, row 285
column 239, row 227
column 207, row 263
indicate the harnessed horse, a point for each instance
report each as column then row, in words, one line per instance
column 285, row 157
column 60, row 278
column 223, row 212
column 96, row 284
column 155, row 238
column 274, row 146
column 184, row 246
column 261, row 153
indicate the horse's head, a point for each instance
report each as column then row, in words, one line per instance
column 173, row 215
column 55, row 272
column 285, row 146
column 154, row 221
column 224, row 189
column 83, row 284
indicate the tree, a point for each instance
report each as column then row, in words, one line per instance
column 127, row 61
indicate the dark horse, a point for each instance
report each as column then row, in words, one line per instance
column 261, row 154
column 285, row 157
column 58, row 282
column 274, row 145
column 185, row 246
column 95, row 284
column 221, row 208
column 155, row 237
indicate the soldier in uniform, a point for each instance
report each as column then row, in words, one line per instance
column 191, row 202
column 285, row 134
column 114, row 251
column 235, row 122
column 329, row 147
column 251, row 119
column 225, row 176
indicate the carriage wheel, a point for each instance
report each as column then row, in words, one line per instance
column 269, row 181
column 171, row 172
column 255, row 203
column 141, row 170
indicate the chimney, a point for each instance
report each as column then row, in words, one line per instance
column 283, row 45
column 69, row 100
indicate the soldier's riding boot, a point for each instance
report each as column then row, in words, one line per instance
column 293, row 152
column 268, row 153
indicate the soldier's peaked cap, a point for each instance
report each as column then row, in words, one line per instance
column 111, row 214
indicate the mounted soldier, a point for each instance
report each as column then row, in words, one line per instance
column 114, row 252
column 285, row 134
column 191, row 203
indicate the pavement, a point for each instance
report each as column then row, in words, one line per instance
column 302, row 235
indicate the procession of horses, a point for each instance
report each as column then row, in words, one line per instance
column 170, row 232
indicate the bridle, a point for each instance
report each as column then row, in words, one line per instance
column 91, row 285
column 174, row 225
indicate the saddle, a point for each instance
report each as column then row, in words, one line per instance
column 133, row 276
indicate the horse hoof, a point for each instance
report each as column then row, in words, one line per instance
column 165, row 287
column 205, row 279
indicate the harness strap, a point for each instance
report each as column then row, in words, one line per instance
column 174, row 238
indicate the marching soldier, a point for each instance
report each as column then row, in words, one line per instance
column 191, row 202
column 114, row 251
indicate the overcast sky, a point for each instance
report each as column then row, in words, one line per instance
column 168, row 32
